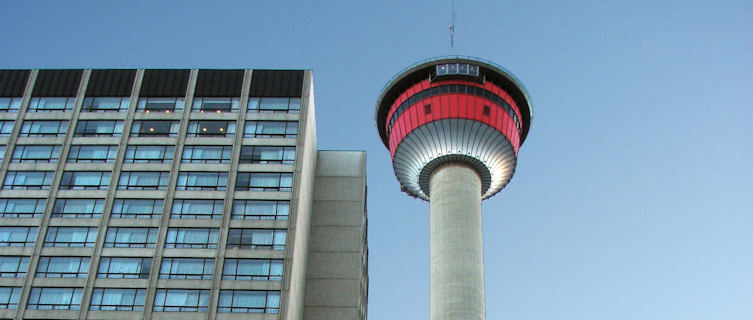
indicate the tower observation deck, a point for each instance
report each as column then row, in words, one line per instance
column 454, row 126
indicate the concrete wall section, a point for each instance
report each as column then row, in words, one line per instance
column 296, row 259
column 337, row 275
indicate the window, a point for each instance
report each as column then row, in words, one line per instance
column 9, row 297
column 270, row 129
column 267, row 154
column 124, row 268
column 457, row 68
column 70, row 237
column 17, row 236
column 2, row 153
column 256, row 239
column 192, row 238
column 116, row 299
column 10, row 104
column 202, row 181
column 143, row 180
column 22, row 208
column 85, row 180
column 217, row 105
column 51, row 104
column 6, row 128
column 185, row 300
column 28, row 180
column 137, row 208
column 263, row 181
column 272, row 104
column 160, row 104
column 249, row 301
column 197, row 209
column 187, row 268
column 13, row 267
column 92, row 154
column 206, row 128
column 42, row 128
column 252, row 269
column 55, row 298
column 120, row 237
column 155, row 128
column 36, row 153
column 99, row 128
column 62, row 267
column 149, row 154
column 260, row 210
column 106, row 104
column 207, row 154
column 78, row 208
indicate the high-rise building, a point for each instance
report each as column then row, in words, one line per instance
column 453, row 126
column 175, row 194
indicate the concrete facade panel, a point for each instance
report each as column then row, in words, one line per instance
column 339, row 213
column 329, row 264
column 337, row 239
column 338, row 189
column 336, row 285
column 330, row 313
column 342, row 164
column 333, row 292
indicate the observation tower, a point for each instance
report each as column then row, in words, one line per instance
column 453, row 126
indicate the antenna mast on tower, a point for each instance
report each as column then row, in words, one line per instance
column 452, row 28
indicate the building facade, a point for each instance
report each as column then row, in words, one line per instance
column 189, row 194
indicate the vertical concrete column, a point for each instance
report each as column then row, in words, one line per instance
column 457, row 255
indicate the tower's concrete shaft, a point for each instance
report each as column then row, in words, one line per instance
column 457, row 254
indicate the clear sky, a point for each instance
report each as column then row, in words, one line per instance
column 633, row 197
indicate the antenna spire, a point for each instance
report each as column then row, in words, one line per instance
column 452, row 28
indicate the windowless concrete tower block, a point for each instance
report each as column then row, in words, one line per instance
column 453, row 126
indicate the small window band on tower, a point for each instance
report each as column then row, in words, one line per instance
column 427, row 108
column 487, row 110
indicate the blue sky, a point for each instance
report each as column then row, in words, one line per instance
column 633, row 197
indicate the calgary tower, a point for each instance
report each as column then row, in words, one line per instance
column 453, row 126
